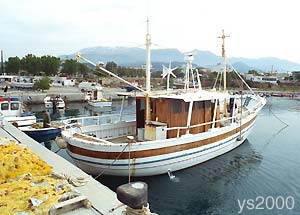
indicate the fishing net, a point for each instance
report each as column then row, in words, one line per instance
column 26, row 186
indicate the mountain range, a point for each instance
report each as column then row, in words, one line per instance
column 135, row 57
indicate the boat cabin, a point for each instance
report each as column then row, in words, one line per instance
column 172, row 116
column 10, row 107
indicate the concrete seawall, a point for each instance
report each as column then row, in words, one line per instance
column 72, row 93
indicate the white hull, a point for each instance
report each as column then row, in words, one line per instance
column 95, row 103
column 48, row 101
column 21, row 85
column 21, row 120
column 60, row 105
column 160, row 164
column 160, row 167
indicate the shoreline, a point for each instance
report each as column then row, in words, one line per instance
column 74, row 94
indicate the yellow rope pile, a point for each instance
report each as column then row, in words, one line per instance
column 25, row 184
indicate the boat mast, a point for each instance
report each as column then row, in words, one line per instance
column 2, row 67
column 148, row 59
column 224, row 57
column 148, row 72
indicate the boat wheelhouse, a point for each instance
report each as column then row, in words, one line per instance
column 13, row 111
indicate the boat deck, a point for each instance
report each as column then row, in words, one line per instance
column 123, row 139
column 102, row 199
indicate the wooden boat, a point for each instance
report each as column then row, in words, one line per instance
column 41, row 134
column 172, row 130
column 13, row 111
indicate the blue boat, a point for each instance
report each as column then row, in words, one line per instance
column 41, row 134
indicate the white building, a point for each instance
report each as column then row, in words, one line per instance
column 63, row 81
column 261, row 79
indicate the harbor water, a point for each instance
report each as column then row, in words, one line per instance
column 259, row 177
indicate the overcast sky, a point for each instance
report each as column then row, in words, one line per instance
column 257, row 28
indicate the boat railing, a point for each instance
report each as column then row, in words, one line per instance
column 100, row 120
column 225, row 119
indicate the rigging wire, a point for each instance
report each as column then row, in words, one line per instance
column 108, row 167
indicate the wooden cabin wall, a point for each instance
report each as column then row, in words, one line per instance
column 175, row 113
column 165, row 111
column 178, row 119
column 197, row 117
column 207, row 114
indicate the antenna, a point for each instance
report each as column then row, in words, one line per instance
column 224, row 57
column 167, row 72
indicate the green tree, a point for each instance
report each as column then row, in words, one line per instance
column 297, row 76
column 13, row 65
column 111, row 66
column 49, row 65
column 82, row 69
column 31, row 64
column 254, row 72
column 42, row 84
column 70, row 67
column 179, row 73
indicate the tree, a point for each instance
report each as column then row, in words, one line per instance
column 49, row 65
column 42, row 84
column 69, row 67
column 31, row 64
column 254, row 72
column 297, row 76
column 111, row 66
column 82, row 69
column 179, row 73
column 13, row 65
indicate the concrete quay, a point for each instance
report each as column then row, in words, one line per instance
column 72, row 93
column 102, row 199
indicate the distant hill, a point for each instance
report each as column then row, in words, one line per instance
column 135, row 57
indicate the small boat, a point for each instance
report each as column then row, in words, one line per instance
column 100, row 103
column 171, row 129
column 93, row 94
column 40, row 134
column 21, row 85
column 51, row 101
column 13, row 111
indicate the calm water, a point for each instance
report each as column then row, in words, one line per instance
column 267, row 164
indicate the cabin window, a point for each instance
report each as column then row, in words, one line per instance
column 14, row 106
column 4, row 106
column 176, row 106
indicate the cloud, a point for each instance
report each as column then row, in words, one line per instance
column 257, row 28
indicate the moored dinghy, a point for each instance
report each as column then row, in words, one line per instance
column 172, row 130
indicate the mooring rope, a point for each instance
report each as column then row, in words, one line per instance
column 277, row 117
column 143, row 211
column 101, row 173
